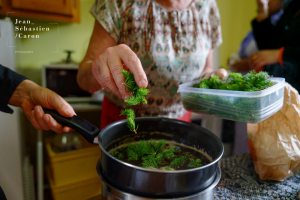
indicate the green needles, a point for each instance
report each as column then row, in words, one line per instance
column 194, row 163
column 138, row 96
column 177, row 162
column 156, row 154
column 235, row 81
column 130, row 119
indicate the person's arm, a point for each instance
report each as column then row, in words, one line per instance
column 209, row 68
column 32, row 98
column 17, row 90
column 102, row 65
column 242, row 65
column 9, row 80
column 263, row 32
column 263, row 29
column 291, row 55
column 284, row 55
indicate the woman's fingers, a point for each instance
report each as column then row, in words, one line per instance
column 221, row 73
column 115, row 66
column 38, row 114
column 34, row 121
column 43, row 121
column 131, row 60
column 52, row 124
column 107, row 70
column 103, row 76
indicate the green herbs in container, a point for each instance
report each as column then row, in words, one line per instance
column 250, row 98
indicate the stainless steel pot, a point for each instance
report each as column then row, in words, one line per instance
column 148, row 182
column 111, row 192
column 157, row 183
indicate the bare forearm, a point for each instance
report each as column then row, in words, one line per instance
column 242, row 65
column 22, row 92
column 209, row 67
column 85, row 77
column 99, row 42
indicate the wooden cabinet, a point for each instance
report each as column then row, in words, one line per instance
column 53, row 10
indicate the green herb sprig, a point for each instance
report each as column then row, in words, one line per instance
column 130, row 119
column 194, row 163
column 138, row 96
column 117, row 154
column 153, row 153
column 177, row 162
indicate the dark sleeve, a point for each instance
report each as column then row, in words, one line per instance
column 2, row 195
column 9, row 81
column 291, row 55
column 263, row 32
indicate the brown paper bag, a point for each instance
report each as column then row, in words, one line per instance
column 275, row 142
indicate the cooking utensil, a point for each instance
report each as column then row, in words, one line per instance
column 150, row 182
column 85, row 128
column 111, row 192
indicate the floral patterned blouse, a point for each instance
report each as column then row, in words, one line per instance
column 145, row 27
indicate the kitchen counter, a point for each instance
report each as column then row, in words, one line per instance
column 240, row 181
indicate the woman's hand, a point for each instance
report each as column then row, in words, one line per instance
column 107, row 70
column 242, row 65
column 264, row 57
column 221, row 73
column 209, row 68
column 32, row 98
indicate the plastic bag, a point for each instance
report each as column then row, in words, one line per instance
column 275, row 142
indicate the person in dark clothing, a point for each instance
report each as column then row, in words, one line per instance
column 17, row 90
column 279, row 44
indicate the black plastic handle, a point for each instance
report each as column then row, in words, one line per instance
column 85, row 128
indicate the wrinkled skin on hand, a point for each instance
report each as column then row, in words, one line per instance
column 32, row 98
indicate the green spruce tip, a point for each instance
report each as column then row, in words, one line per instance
column 177, row 162
column 130, row 119
column 138, row 96
column 130, row 84
column 151, row 152
column 131, row 152
column 194, row 162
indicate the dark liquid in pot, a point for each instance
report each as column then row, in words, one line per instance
column 182, row 150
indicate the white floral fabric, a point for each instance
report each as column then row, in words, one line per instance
column 168, row 62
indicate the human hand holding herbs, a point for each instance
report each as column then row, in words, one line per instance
column 138, row 96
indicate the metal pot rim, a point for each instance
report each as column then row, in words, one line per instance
column 157, row 170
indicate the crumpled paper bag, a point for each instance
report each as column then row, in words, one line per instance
column 275, row 142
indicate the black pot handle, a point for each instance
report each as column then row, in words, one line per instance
column 85, row 128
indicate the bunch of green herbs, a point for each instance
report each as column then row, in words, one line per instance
column 152, row 154
column 236, row 81
column 138, row 96
column 244, row 109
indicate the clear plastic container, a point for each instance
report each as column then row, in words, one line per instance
column 251, row 107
